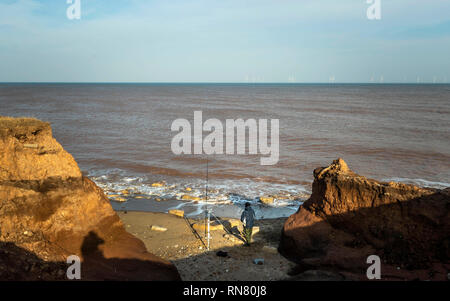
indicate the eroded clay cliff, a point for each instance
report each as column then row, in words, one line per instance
column 349, row 217
column 49, row 210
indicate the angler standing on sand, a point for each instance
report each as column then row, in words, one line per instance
column 248, row 217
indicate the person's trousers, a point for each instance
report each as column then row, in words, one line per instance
column 248, row 234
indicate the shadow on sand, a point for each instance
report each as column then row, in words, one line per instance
column 19, row 264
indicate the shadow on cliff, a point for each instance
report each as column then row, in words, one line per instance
column 19, row 264
column 96, row 266
column 411, row 237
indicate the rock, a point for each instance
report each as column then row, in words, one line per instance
column 158, row 228
column 179, row 213
column 125, row 192
column 201, row 226
column 188, row 189
column 187, row 197
column 266, row 200
column 349, row 217
column 45, row 193
column 270, row 249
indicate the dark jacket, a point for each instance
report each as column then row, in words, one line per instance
column 248, row 217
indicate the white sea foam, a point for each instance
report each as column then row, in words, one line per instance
column 227, row 192
column 419, row 182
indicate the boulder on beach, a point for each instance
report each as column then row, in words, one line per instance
column 188, row 197
column 267, row 200
column 179, row 213
column 270, row 249
column 44, row 194
column 255, row 230
column 120, row 199
column 202, row 226
column 349, row 217
column 158, row 228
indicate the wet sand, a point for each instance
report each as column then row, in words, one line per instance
column 179, row 245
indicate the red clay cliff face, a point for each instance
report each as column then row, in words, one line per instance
column 49, row 211
column 349, row 217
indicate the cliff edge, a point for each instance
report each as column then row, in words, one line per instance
column 49, row 211
column 350, row 217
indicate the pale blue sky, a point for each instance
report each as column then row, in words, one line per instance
column 224, row 41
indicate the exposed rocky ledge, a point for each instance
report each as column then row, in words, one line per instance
column 349, row 217
column 49, row 210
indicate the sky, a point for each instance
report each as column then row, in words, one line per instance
column 300, row 41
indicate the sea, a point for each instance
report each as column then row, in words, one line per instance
column 121, row 136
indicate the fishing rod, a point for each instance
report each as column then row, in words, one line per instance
column 208, row 213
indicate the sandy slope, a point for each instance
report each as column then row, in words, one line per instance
column 179, row 245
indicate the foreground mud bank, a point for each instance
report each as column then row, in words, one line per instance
column 349, row 217
column 49, row 211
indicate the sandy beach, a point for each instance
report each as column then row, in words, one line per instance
column 180, row 246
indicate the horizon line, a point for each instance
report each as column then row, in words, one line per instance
column 233, row 83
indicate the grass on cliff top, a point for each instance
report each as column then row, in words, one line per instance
column 12, row 123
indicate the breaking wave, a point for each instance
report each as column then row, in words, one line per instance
column 419, row 182
column 226, row 196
